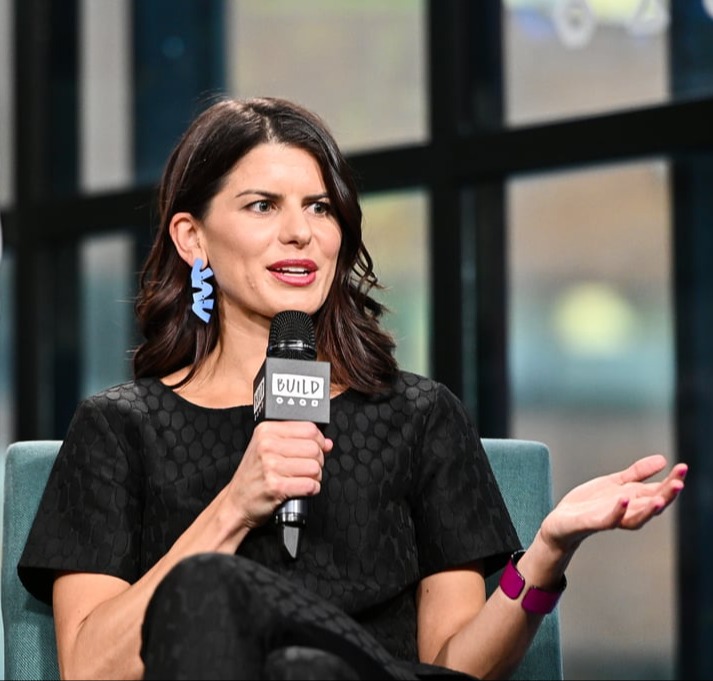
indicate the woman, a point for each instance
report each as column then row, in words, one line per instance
column 153, row 539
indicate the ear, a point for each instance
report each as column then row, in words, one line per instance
column 185, row 233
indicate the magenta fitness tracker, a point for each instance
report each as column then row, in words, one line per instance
column 536, row 600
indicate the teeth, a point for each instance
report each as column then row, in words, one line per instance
column 292, row 270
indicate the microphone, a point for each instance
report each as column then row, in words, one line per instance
column 292, row 386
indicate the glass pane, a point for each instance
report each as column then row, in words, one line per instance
column 7, row 350
column 7, row 100
column 396, row 234
column 105, row 80
column 178, row 65
column 596, row 55
column 360, row 65
column 592, row 364
column 108, row 290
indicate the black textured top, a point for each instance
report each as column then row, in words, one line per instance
column 407, row 491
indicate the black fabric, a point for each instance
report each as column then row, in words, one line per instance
column 298, row 663
column 407, row 492
column 216, row 616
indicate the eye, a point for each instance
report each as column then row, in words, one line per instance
column 261, row 206
column 321, row 208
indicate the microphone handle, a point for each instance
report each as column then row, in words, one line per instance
column 291, row 517
column 292, row 512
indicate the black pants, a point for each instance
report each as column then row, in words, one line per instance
column 217, row 616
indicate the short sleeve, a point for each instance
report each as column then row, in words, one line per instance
column 459, row 512
column 88, row 519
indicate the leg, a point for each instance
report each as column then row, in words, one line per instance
column 218, row 616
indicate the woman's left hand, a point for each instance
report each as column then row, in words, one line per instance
column 618, row 500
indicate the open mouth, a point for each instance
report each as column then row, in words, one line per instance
column 292, row 271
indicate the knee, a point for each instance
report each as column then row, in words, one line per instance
column 199, row 569
column 191, row 583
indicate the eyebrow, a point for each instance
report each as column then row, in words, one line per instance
column 273, row 196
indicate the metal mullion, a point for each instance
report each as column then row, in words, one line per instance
column 693, row 288
column 46, row 299
column 79, row 216
column 466, row 216
column 30, row 26
column 692, row 243
column 676, row 127
column 446, row 357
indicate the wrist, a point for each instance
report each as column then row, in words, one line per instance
column 534, row 599
column 548, row 539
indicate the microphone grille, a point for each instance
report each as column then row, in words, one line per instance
column 292, row 336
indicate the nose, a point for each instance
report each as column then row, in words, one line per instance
column 295, row 227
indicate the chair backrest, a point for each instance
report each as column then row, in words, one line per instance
column 523, row 471
column 521, row 467
column 30, row 647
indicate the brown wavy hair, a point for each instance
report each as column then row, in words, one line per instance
column 347, row 328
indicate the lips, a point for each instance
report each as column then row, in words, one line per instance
column 294, row 272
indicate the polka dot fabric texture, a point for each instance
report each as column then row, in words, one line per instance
column 407, row 491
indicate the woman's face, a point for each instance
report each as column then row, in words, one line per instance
column 270, row 236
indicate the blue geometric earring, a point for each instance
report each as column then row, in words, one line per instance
column 202, row 302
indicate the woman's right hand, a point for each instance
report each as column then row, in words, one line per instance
column 283, row 460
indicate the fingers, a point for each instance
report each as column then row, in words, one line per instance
column 642, row 469
column 292, row 457
column 673, row 484
column 278, row 432
column 678, row 474
column 648, row 466
column 668, row 488
column 652, row 500
column 640, row 512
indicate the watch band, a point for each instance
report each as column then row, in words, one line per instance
column 536, row 600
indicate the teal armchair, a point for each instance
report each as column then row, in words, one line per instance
column 521, row 467
column 523, row 471
column 28, row 628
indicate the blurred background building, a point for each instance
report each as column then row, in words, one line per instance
column 537, row 180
